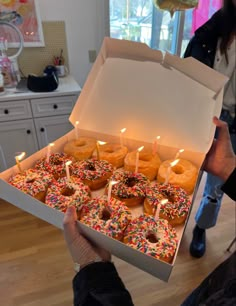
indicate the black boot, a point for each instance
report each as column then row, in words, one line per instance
column 198, row 244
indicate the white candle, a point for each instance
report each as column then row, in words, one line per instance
column 178, row 153
column 155, row 145
column 18, row 158
column 68, row 170
column 111, row 183
column 49, row 151
column 76, row 130
column 164, row 201
column 122, row 137
column 137, row 158
column 99, row 143
column 174, row 163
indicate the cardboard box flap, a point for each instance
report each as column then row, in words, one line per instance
column 148, row 98
column 197, row 71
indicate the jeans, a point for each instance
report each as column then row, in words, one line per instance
column 208, row 210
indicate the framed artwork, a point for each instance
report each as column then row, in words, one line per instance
column 25, row 15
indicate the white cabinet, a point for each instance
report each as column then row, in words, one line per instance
column 51, row 128
column 16, row 136
column 29, row 121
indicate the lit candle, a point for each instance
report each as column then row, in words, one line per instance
column 178, row 153
column 49, row 151
column 174, row 163
column 99, row 143
column 164, row 201
column 76, row 130
column 137, row 158
column 111, row 183
column 155, row 145
column 68, row 170
column 122, row 137
column 18, row 158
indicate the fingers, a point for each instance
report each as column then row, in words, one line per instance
column 222, row 128
column 70, row 225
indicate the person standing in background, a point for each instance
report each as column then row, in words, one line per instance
column 214, row 44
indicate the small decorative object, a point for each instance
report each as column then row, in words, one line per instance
column 111, row 183
column 175, row 5
column 99, row 143
column 122, row 137
column 164, row 201
column 155, row 145
column 18, row 158
column 77, row 130
column 178, row 153
column 137, row 158
column 174, row 163
column 68, row 170
column 49, row 147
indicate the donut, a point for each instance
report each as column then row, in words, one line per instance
column 62, row 194
column 175, row 211
column 93, row 173
column 131, row 187
column 148, row 163
column 81, row 148
column 110, row 219
column 153, row 237
column 56, row 165
column 184, row 174
column 113, row 153
column 32, row 182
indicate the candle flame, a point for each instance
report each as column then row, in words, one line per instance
column 21, row 156
column 164, row 201
column 113, row 183
column 181, row 150
column 158, row 137
column 174, row 163
column 101, row 143
column 51, row 144
column 123, row 130
column 140, row 149
column 77, row 122
column 68, row 163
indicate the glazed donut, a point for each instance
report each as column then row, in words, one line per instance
column 184, row 174
column 56, row 165
column 113, row 153
column 93, row 173
column 81, row 148
column 148, row 164
column 175, row 211
column 131, row 187
column 62, row 194
column 110, row 219
column 153, row 237
column 32, row 182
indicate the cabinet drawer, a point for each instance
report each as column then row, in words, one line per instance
column 15, row 110
column 53, row 106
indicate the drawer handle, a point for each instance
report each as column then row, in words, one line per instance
column 6, row 111
column 28, row 131
column 42, row 130
column 55, row 106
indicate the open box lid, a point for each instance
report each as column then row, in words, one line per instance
column 133, row 86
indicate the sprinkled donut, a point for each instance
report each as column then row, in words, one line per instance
column 81, row 148
column 93, row 173
column 110, row 219
column 56, row 165
column 175, row 210
column 63, row 194
column 32, row 182
column 131, row 187
column 153, row 237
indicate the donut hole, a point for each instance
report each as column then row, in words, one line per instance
column 90, row 167
column 109, row 151
column 58, row 162
column 106, row 215
column 80, row 143
column 30, row 180
column 145, row 157
column 151, row 237
column 68, row 191
column 178, row 169
column 130, row 182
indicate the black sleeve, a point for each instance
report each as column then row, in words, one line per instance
column 99, row 284
column 229, row 186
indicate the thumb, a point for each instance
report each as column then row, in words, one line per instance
column 223, row 131
column 70, row 224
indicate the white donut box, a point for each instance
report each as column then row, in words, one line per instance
column 133, row 86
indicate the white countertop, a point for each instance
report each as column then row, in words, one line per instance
column 67, row 85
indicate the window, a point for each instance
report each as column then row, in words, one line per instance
column 139, row 20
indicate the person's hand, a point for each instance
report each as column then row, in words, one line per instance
column 220, row 160
column 81, row 250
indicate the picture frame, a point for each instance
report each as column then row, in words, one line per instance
column 25, row 15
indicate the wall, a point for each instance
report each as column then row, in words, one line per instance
column 86, row 25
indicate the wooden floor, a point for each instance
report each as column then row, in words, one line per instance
column 36, row 269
